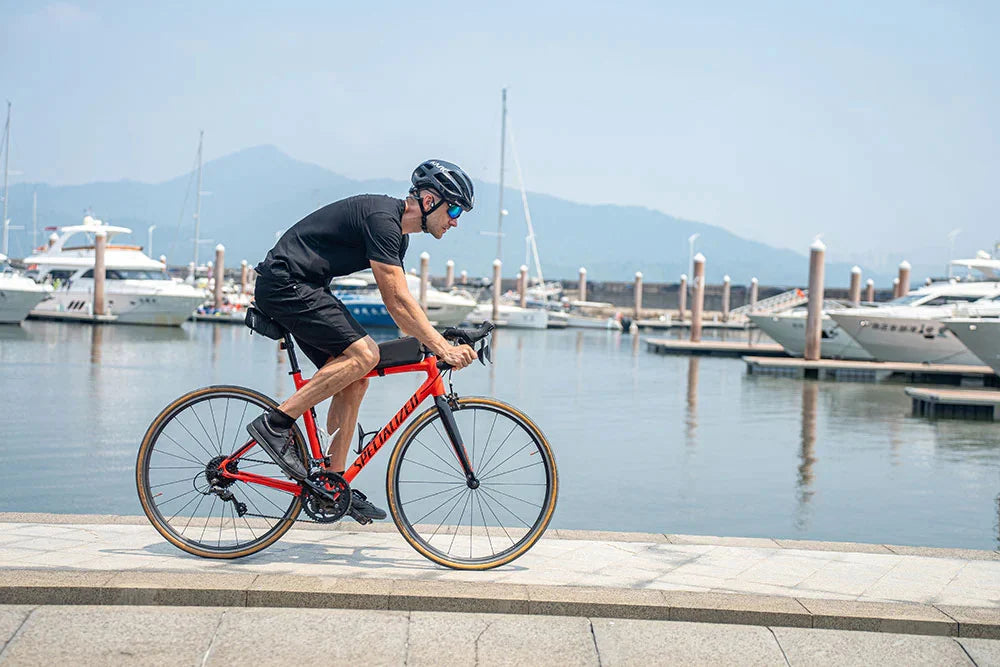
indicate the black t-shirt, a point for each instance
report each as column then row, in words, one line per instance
column 341, row 238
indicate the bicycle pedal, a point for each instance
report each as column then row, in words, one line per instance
column 360, row 518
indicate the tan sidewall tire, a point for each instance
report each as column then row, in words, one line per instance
column 147, row 443
column 393, row 500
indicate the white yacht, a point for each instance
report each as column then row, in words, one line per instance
column 910, row 328
column 18, row 294
column 511, row 316
column 788, row 329
column 980, row 335
column 138, row 289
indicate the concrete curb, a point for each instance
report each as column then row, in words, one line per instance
column 62, row 587
column 564, row 534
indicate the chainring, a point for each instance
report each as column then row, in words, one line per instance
column 333, row 506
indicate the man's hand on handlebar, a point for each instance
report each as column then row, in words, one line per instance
column 458, row 357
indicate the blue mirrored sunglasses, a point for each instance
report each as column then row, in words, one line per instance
column 454, row 211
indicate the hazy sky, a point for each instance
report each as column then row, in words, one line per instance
column 876, row 124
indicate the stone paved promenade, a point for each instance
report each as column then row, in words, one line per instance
column 775, row 596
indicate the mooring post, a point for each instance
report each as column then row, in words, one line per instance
column 698, row 297
column 814, row 314
column 870, row 290
column 854, row 293
column 463, row 277
column 726, row 286
column 895, row 288
column 522, row 287
column 425, row 264
column 637, row 294
column 583, row 284
column 904, row 278
column 100, row 243
column 449, row 274
column 682, row 298
column 244, row 275
column 220, row 269
column 497, row 264
column 753, row 294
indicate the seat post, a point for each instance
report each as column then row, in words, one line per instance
column 293, row 363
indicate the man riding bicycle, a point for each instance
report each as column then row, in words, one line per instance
column 293, row 288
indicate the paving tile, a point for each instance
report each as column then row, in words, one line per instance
column 736, row 608
column 309, row 637
column 781, row 570
column 114, row 635
column 838, row 648
column 758, row 542
column 593, row 601
column 844, row 578
column 851, row 547
column 982, row 651
column 11, row 618
column 319, row 591
column 974, row 621
column 938, row 552
column 479, row 597
column 879, row 617
column 521, row 640
column 637, row 642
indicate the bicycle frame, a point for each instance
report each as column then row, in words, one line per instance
column 433, row 385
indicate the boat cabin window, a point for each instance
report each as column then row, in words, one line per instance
column 124, row 274
column 60, row 274
column 943, row 300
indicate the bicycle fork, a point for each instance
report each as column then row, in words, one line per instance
column 451, row 428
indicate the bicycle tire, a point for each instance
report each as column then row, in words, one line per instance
column 157, row 431
column 409, row 527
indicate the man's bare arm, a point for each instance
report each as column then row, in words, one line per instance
column 409, row 317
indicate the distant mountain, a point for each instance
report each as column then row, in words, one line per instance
column 258, row 192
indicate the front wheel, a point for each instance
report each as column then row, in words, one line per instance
column 466, row 528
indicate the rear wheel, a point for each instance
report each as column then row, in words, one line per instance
column 175, row 474
column 479, row 528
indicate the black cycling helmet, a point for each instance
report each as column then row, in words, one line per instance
column 447, row 179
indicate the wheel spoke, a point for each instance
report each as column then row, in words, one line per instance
column 485, row 475
column 418, row 463
column 502, row 443
column 507, row 472
column 439, row 458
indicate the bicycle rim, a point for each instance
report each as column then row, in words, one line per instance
column 173, row 485
column 480, row 528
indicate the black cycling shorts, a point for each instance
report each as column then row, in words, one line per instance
column 319, row 321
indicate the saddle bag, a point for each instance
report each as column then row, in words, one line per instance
column 262, row 324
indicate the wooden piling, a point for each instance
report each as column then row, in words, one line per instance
column 904, row 278
column 637, row 294
column 449, row 274
column 870, row 290
column 726, row 286
column 854, row 293
column 100, row 244
column 497, row 265
column 220, row 269
column 425, row 263
column 697, row 297
column 583, row 284
column 682, row 298
column 895, row 288
column 244, row 275
column 814, row 315
column 522, row 287
column 753, row 294
column 463, row 277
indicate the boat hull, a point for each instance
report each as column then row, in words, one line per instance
column 914, row 340
column 152, row 309
column 790, row 333
column 980, row 336
column 17, row 301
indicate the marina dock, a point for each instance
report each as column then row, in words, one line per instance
column 955, row 403
column 873, row 371
column 717, row 348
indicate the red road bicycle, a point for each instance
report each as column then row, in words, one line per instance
column 471, row 482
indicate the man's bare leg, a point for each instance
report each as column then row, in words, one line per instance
column 355, row 363
column 344, row 415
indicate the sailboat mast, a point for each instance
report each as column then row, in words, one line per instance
column 6, row 162
column 503, row 138
column 197, row 206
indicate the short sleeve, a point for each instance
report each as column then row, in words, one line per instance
column 383, row 239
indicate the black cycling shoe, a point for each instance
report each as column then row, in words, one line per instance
column 362, row 510
column 279, row 445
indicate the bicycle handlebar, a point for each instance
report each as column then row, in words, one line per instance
column 470, row 337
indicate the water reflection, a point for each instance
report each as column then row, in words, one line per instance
column 691, row 416
column 807, row 452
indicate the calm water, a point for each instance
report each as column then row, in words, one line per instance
column 643, row 442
